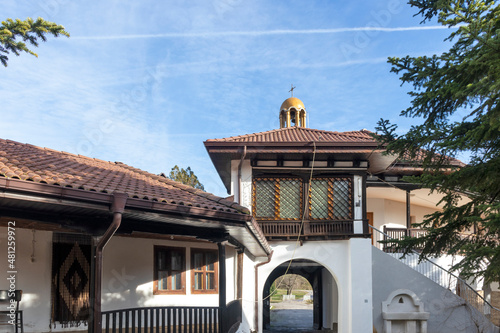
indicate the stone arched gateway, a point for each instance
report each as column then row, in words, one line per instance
column 325, row 292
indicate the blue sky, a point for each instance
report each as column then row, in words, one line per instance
column 146, row 82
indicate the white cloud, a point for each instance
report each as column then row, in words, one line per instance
column 259, row 33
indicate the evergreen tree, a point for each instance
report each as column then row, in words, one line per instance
column 456, row 97
column 14, row 34
column 186, row 177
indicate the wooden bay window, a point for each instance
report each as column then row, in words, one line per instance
column 278, row 198
column 330, row 198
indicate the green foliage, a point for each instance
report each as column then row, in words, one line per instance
column 186, row 177
column 14, row 34
column 277, row 294
column 456, row 96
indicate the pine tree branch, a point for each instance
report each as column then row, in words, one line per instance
column 28, row 31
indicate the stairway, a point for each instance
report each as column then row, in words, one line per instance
column 436, row 287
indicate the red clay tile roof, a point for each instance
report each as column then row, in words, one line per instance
column 42, row 165
column 300, row 134
column 406, row 160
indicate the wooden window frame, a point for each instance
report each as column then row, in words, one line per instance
column 156, row 290
column 204, row 271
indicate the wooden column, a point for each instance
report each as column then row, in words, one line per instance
column 408, row 216
column 222, row 287
column 239, row 275
column 92, row 291
column 317, row 300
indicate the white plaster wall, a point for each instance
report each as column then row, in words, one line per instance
column 127, row 276
column 348, row 263
column 445, row 261
column 393, row 213
column 358, row 205
column 330, row 299
column 248, row 295
column 234, row 180
column 360, row 276
column 377, row 207
column 33, row 278
column 246, row 183
column 448, row 312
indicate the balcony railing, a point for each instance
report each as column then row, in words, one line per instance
column 287, row 229
column 174, row 319
column 398, row 233
column 437, row 273
column 167, row 319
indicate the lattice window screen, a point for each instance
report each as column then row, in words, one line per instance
column 318, row 204
column 330, row 199
column 277, row 198
column 265, row 198
column 290, row 199
column 281, row 199
column 342, row 209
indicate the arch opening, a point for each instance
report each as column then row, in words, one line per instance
column 291, row 303
column 321, row 314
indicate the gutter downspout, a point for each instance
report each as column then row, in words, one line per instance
column 117, row 207
column 256, row 306
column 243, row 155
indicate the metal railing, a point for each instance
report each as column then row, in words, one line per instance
column 439, row 275
column 165, row 319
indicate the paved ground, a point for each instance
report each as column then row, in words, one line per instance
column 291, row 316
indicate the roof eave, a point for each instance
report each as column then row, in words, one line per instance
column 238, row 144
column 180, row 214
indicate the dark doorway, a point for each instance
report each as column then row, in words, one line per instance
column 312, row 272
column 291, row 307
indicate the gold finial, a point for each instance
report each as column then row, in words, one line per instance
column 291, row 89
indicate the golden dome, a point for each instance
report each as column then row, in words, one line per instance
column 292, row 113
column 292, row 102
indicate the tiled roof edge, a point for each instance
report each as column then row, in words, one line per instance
column 254, row 135
column 183, row 187
column 187, row 188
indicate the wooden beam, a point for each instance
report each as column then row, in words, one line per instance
column 239, row 276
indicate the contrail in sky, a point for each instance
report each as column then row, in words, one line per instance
column 260, row 33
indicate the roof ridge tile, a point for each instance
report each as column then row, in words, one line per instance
column 298, row 134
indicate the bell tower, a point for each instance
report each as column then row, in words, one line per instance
column 292, row 113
